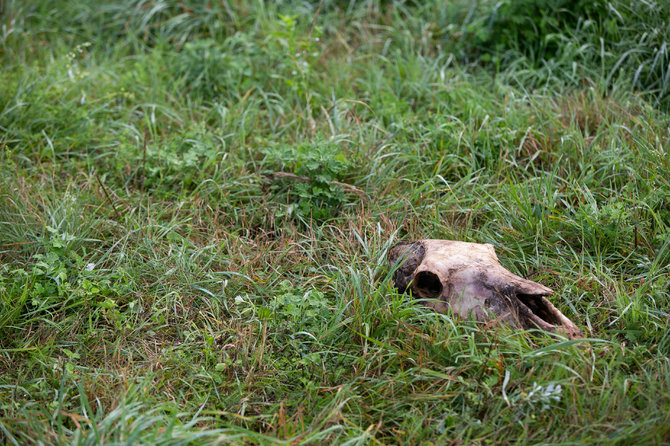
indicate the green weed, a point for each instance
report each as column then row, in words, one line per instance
column 197, row 199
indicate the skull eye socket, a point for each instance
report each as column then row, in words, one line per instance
column 427, row 284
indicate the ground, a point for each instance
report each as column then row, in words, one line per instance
column 197, row 199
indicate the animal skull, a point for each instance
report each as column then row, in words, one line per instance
column 468, row 279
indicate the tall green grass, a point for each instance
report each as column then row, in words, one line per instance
column 197, row 198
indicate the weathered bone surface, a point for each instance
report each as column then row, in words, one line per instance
column 468, row 279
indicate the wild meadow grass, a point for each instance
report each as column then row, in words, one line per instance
column 197, row 198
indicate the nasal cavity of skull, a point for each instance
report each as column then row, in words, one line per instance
column 539, row 308
column 427, row 284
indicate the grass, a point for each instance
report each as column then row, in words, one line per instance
column 160, row 283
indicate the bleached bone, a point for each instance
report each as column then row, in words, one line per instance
column 468, row 279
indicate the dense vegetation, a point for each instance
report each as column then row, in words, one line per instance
column 197, row 197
